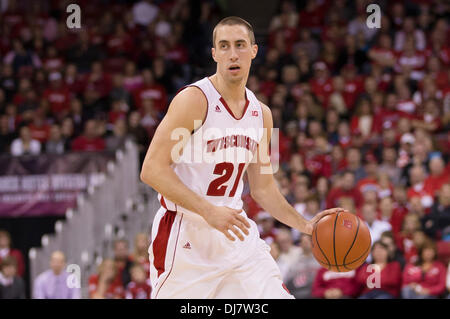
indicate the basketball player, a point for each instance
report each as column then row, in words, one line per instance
column 194, row 252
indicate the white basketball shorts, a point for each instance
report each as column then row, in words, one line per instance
column 191, row 259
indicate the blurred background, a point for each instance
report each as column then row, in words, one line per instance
column 364, row 124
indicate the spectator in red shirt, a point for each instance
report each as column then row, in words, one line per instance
column 353, row 85
column 390, row 275
column 106, row 284
column 139, row 286
column 151, row 90
column 335, row 285
column 404, row 239
column 321, row 84
column 383, row 54
column 345, row 189
column 53, row 62
column 6, row 250
column 140, row 254
column 418, row 187
column 89, row 141
column 395, row 254
column 439, row 175
column 426, row 278
column 119, row 43
column 122, row 260
column 266, row 227
column 39, row 129
column 370, row 182
column 58, row 96
column 364, row 120
column 430, row 120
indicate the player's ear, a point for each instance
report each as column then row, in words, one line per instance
column 213, row 53
column 254, row 50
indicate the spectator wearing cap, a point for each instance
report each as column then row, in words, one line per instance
column 11, row 285
column 89, row 141
column 266, row 227
column 426, row 278
column 58, row 96
column 389, row 271
column 24, row 144
column 52, row 284
column 437, row 223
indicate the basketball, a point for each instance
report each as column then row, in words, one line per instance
column 341, row 242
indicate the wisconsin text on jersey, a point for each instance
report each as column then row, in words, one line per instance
column 232, row 141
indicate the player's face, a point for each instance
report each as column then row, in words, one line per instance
column 233, row 52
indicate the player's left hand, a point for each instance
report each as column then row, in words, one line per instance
column 310, row 224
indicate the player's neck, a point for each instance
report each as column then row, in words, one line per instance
column 231, row 92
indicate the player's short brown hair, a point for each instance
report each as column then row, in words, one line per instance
column 233, row 20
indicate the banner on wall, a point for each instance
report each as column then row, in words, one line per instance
column 46, row 185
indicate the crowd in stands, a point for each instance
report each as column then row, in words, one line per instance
column 364, row 118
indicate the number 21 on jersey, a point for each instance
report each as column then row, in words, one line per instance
column 225, row 170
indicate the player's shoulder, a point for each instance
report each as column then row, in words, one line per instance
column 265, row 108
column 191, row 94
column 189, row 102
column 267, row 114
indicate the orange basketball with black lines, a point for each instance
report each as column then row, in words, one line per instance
column 341, row 241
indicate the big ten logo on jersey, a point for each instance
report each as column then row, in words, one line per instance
column 230, row 145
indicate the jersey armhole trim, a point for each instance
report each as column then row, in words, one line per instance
column 207, row 104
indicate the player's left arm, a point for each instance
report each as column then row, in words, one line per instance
column 264, row 190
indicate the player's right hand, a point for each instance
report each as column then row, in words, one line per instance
column 226, row 219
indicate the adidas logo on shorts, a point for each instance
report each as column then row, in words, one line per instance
column 187, row 245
